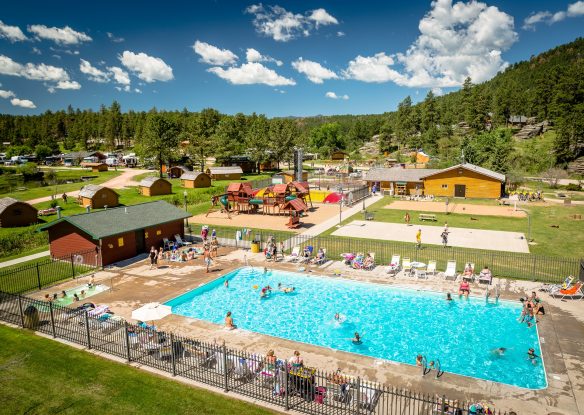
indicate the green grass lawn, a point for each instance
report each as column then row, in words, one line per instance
column 41, row 376
column 565, row 241
column 25, row 253
column 34, row 193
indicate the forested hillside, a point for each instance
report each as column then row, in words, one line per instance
column 473, row 120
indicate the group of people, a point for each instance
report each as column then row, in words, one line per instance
column 76, row 297
column 532, row 307
column 272, row 249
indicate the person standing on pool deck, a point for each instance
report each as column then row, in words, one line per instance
column 153, row 255
column 419, row 238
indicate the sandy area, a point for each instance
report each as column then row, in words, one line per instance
column 453, row 207
column 562, row 350
column 463, row 237
column 318, row 214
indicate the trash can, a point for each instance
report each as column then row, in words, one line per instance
column 255, row 247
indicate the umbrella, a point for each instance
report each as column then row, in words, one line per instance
column 151, row 311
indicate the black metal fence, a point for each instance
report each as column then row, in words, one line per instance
column 47, row 271
column 265, row 378
column 543, row 269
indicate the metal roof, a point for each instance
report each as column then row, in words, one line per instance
column 110, row 222
column 89, row 190
column 9, row 201
column 226, row 170
column 150, row 180
column 471, row 167
column 192, row 175
column 397, row 174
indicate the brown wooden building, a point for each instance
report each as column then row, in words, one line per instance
column 176, row 172
column 289, row 176
column 15, row 213
column 225, row 173
column 116, row 234
column 195, row 180
column 154, row 186
column 465, row 180
column 97, row 197
column 95, row 167
column 397, row 180
column 339, row 155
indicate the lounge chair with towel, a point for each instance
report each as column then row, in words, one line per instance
column 294, row 255
column 393, row 267
column 576, row 290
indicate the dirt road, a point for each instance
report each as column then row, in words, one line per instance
column 118, row 182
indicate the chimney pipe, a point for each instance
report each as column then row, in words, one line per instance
column 87, row 208
column 58, row 212
column 104, row 207
column 126, row 210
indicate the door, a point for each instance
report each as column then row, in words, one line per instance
column 140, row 241
column 459, row 190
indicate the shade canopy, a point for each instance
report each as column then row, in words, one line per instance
column 151, row 311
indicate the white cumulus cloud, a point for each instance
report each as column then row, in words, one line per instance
column 213, row 55
column 574, row 10
column 252, row 55
column 147, row 68
column 60, row 35
column 456, row 41
column 332, row 95
column 281, row 25
column 114, row 38
column 6, row 94
column 55, row 77
column 251, row 73
column 93, row 73
column 12, row 33
column 120, row 76
column 314, row 71
column 24, row 103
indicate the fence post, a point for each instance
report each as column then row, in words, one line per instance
column 21, row 312
column 87, row 330
column 38, row 275
column 443, row 405
column 287, row 386
column 173, row 357
column 225, row 377
column 127, row 336
column 358, row 397
column 52, row 319
column 534, row 268
column 72, row 267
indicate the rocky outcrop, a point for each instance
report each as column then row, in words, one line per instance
column 577, row 166
column 532, row 130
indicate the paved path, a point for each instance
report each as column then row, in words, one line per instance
column 463, row 237
column 24, row 259
column 118, row 182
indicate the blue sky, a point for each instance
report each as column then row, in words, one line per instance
column 279, row 58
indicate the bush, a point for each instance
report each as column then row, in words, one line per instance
column 22, row 240
column 574, row 187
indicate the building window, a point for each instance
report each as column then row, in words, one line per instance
column 158, row 232
column 120, row 242
column 445, row 186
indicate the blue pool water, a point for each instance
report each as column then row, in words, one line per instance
column 396, row 324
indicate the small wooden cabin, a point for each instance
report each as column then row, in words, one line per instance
column 155, row 186
column 465, row 180
column 176, row 172
column 339, row 155
column 95, row 167
column 195, row 180
column 97, row 197
column 225, row 173
column 15, row 213
column 290, row 176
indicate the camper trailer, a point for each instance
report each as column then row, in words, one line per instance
column 130, row 160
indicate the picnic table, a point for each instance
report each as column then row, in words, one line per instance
column 427, row 216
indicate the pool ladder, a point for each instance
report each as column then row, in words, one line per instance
column 427, row 369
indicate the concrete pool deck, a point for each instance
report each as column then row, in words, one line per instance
column 561, row 331
column 462, row 237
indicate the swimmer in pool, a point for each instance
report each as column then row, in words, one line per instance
column 226, row 284
column 499, row 351
column 356, row 339
column 337, row 317
column 532, row 356
column 448, row 297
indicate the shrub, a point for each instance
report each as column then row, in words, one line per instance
column 574, row 187
column 22, row 240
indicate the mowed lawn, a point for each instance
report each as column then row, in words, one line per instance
column 553, row 230
column 41, row 376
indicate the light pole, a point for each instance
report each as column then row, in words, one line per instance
column 185, row 194
column 341, row 208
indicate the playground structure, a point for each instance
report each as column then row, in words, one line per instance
column 286, row 198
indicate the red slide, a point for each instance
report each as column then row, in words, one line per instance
column 333, row 198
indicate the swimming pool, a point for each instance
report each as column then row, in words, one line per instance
column 96, row 289
column 396, row 324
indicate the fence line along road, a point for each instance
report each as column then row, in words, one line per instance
column 270, row 380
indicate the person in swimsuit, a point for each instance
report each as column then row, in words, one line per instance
column 229, row 321
column 153, row 255
column 448, row 297
column 532, row 356
column 419, row 359
column 271, row 360
column 464, row 289
column 356, row 339
column 296, row 360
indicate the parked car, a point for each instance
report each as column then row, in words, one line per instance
column 319, row 170
column 331, row 172
column 355, row 175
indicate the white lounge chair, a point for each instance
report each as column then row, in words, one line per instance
column 393, row 267
column 450, row 273
column 431, row 268
column 294, row 255
column 179, row 241
column 407, row 265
